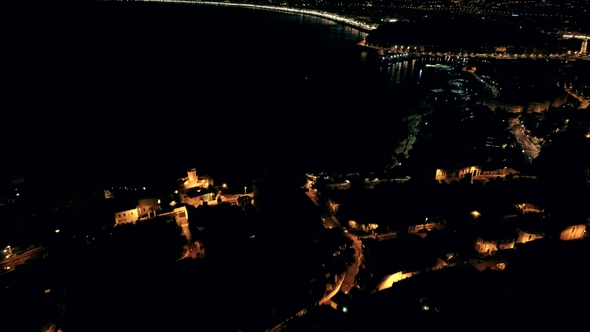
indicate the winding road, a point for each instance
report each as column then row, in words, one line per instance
column 349, row 280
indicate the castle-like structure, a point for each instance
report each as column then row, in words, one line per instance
column 195, row 181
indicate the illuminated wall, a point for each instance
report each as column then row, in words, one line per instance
column 126, row 216
column 192, row 176
column 148, row 207
column 485, row 247
column 575, row 232
column 524, row 236
column 493, row 105
column 390, row 280
column 198, row 200
column 426, row 226
column 491, row 246
column 457, row 174
column 195, row 181
column 534, row 107
column 476, row 172
column 393, row 278
column 181, row 216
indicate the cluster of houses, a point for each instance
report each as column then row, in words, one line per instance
column 391, row 259
column 477, row 173
column 492, row 247
column 192, row 190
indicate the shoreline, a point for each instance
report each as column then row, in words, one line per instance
column 289, row 10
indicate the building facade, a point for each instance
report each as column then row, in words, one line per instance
column 573, row 232
column 148, row 207
column 126, row 216
column 457, row 173
column 474, row 173
column 427, row 225
column 491, row 246
column 195, row 181
column 525, row 236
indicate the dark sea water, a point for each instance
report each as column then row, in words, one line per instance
column 139, row 89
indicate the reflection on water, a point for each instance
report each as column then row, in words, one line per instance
column 415, row 78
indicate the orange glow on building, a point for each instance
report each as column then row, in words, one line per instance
column 574, row 232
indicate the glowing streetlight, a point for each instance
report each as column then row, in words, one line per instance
column 475, row 214
column 224, row 185
column 57, row 231
column 245, row 190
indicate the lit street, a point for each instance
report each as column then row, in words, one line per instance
column 583, row 100
column 350, row 276
column 21, row 258
column 529, row 148
column 331, row 16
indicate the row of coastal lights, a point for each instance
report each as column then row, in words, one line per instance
column 304, row 11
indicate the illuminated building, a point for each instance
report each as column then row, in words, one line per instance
column 473, row 173
column 491, row 241
column 529, row 234
column 583, row 37
column 457, row 174
column 148, row 207
column 427, row 225
column 195, row 181
column 130, row 211
column 196, row 196
column 130, row 215
column 195, row 190
column 573, row 232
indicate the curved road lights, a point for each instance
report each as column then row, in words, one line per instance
column 330, row 16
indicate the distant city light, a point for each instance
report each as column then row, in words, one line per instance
column 224, row 185
column 344, row 309
column 143, row 188
column 57, row 230
column 158, row 201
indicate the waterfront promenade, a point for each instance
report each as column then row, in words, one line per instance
column 358, row 24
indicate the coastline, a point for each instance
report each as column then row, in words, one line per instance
column 360, row 26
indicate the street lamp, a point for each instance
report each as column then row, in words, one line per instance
column 245, row 190
column 224, row 185
column 8, row 250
